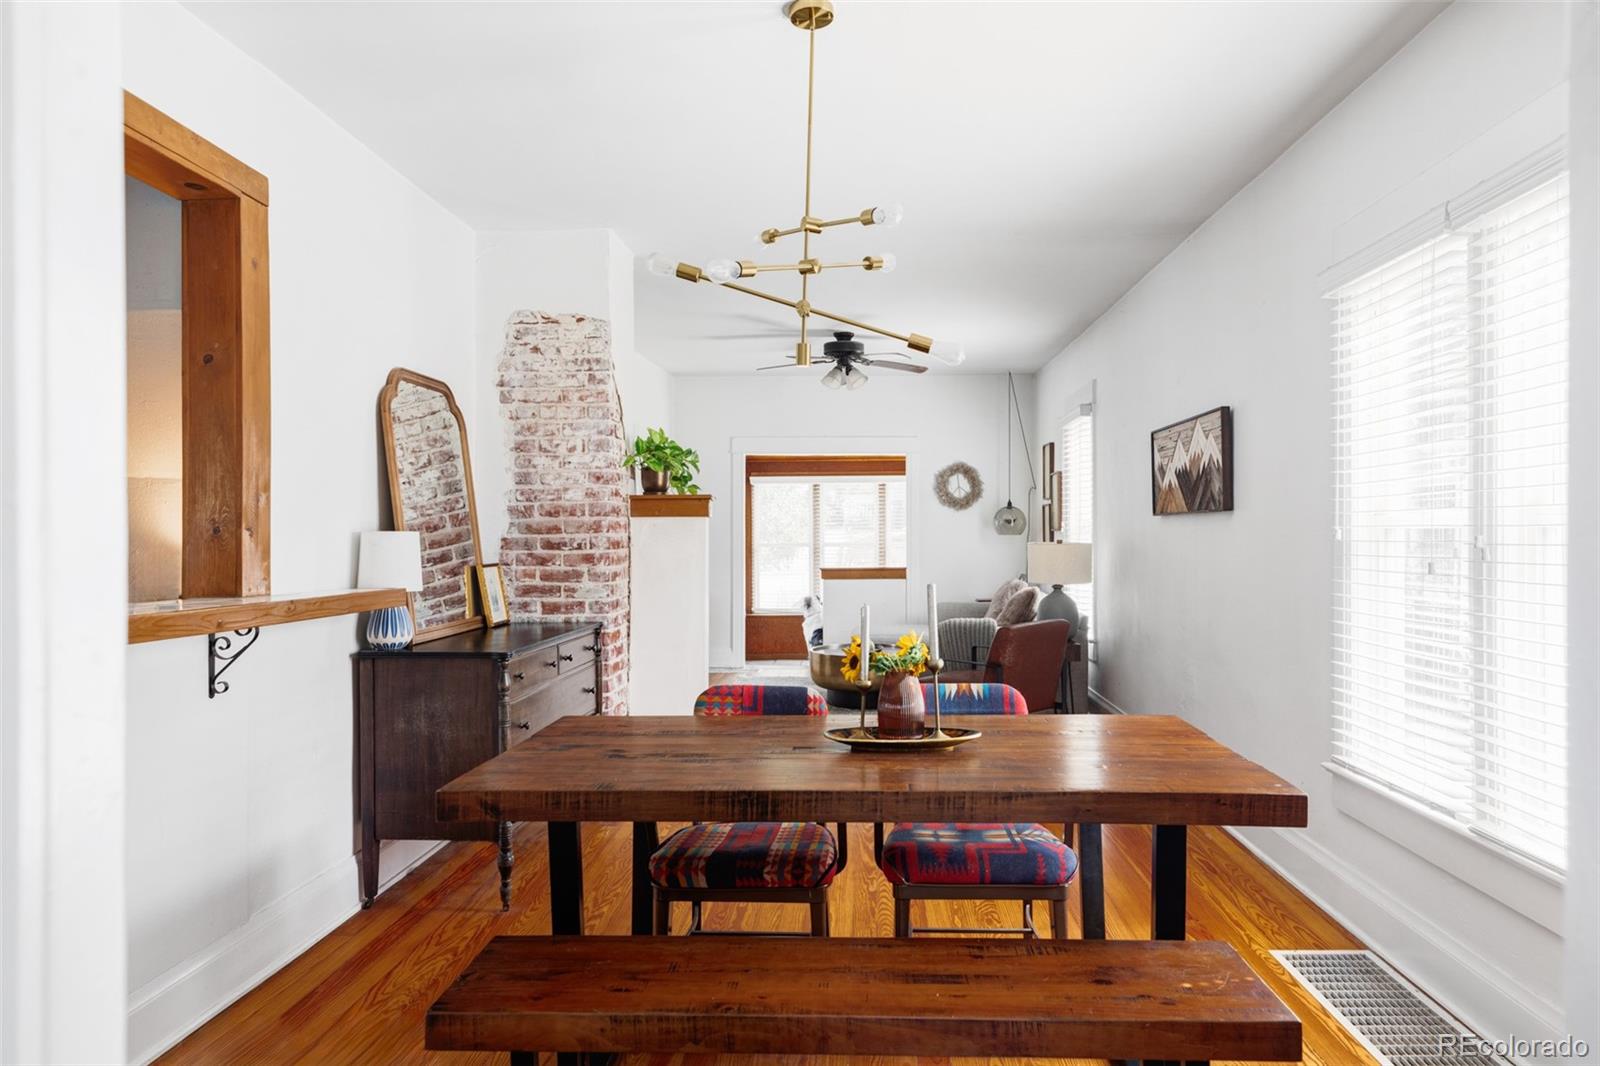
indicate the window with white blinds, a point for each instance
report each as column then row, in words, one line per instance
column 800, row 524
column 1077, row 507
column 1450, row 480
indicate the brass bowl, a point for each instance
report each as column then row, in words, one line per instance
column 827, row 671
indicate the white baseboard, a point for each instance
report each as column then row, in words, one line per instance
column 1096, row 698
column 1407, row 938
column 171, row 1006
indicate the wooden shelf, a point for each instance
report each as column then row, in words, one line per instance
column 170, row 619
column 669, row 505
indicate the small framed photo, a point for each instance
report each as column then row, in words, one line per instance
column 467, row 593
column 492, row 589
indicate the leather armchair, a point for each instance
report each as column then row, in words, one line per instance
column 1029, row 657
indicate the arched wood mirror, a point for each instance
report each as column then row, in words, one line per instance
column 430, row 491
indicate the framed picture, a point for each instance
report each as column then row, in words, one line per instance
column 1058, row 497
column 492, row 587
column 467, row 593
column 1049, row 455
column 1047, row 518
column 1191, row 464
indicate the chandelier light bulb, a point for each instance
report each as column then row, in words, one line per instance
column 833, row 378
column 948, row 352
column 854, row 379
column 722, row 270
column 889, row 262
column 888, row 215
column 660, row 264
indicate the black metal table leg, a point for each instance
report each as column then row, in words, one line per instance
column 646, row 838
column 566, row 904
column 1093, row 882
column 566, row 879
column 1169, row 886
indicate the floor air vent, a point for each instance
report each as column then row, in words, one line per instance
column 1394, row 1019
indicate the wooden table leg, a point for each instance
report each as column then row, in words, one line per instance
column 1092, row 882
column 646, row 838
column 505, row 861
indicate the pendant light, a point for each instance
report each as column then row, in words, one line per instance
column 1010, row 521
column 811, row 16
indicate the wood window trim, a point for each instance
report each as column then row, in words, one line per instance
column 226, row 352
column 863, row 573
column 770, row 635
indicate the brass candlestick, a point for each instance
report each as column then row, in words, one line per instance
column 864, row 680
column 938, row 726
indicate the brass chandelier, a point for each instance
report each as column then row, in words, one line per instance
column 810, row 16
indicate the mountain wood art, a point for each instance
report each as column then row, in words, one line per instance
column 1191, row 464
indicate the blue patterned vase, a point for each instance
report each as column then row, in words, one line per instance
column 390, row 629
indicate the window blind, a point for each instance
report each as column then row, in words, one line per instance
column 1450, row 480
column 1077, row 489
column 800, row 524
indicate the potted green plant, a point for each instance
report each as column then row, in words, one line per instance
column 662, row 461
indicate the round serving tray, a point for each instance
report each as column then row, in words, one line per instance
column 867, row 739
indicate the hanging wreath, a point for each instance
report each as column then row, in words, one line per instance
column 958, row 486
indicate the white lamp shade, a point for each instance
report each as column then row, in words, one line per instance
column 390, row 560
column 1060, row 564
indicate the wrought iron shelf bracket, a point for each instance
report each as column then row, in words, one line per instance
column 221, row 654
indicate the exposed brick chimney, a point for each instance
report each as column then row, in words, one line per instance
column 565, row 550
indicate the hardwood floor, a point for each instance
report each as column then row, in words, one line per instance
column 359, row 994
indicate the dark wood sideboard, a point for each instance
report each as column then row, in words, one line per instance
column 427, row 715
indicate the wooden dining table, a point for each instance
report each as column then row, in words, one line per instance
column 1087, row 770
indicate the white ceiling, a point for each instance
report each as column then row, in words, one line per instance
column 1047, row 155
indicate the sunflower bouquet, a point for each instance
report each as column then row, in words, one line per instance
column 909, row 655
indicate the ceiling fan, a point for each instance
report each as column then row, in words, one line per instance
column 849, row 356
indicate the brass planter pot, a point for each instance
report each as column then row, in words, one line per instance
column 653, row 482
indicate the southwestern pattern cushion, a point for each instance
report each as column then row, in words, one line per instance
column 976, row 853
column 747, row 855
column 732, row 701
column 975, row 699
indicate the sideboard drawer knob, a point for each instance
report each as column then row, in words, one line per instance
column 523, row 725
column 551, row 664
column 589, row 689
column 566, row 658
column 591, row 647
column 518, row 676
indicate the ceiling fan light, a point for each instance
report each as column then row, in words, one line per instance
column 662, row 265
column 888, row 215
column 833, row 378
column 854, row 379
column 722, row 270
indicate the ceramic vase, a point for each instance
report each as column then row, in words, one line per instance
column 901, row 712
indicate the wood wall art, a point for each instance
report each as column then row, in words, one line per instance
column 1191, row 464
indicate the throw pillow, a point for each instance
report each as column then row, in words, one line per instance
column 997, row 602
column 1022, row 607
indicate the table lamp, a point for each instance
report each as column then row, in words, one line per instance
column 390, row 560
column 1060, row 564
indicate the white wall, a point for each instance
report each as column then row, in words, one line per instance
column 63, row 536
column 1224, row 618
column 586, row 272
column 935, row 419
column 239, row 809
column 1583, row 857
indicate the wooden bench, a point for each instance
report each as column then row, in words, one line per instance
column 1179, row 1000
